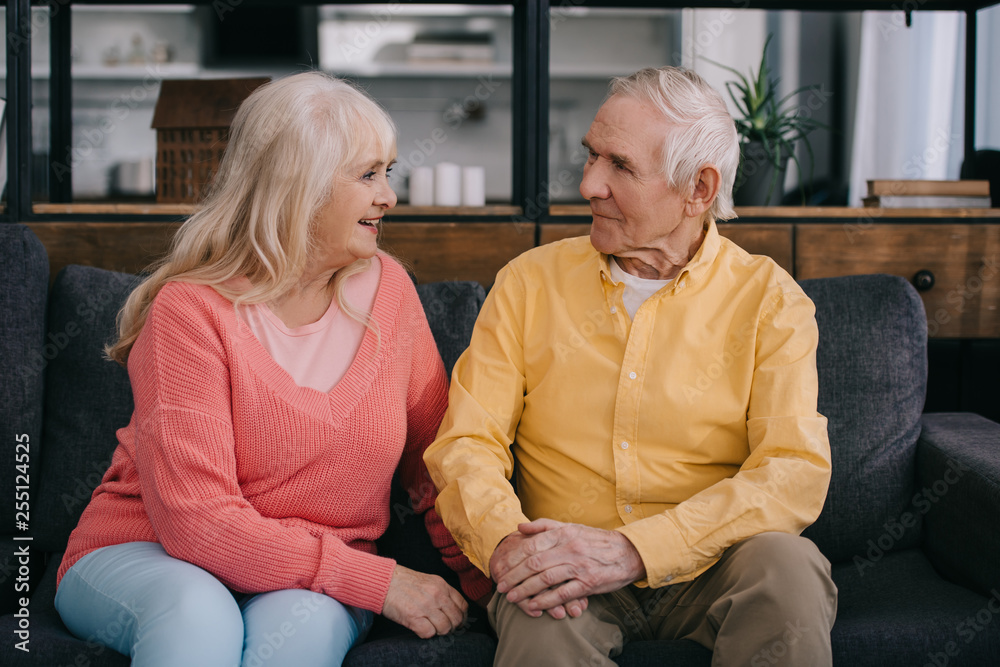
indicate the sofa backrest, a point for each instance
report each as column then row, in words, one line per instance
column 872, row 363
column 871, row 358
column 87, row 397
column 24, row 283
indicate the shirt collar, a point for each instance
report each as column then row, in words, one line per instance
column 693, row 270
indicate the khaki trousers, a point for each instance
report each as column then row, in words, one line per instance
column 768, row 601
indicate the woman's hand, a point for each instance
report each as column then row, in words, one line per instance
column 424, row 603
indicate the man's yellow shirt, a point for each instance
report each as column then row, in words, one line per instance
column 688, row 428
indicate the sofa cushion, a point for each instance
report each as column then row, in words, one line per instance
column 50, row 642
column 87, row 399
column 899, row 612
column 451, row 308
column 454, row 650
column 872, row 362
column 958, row 474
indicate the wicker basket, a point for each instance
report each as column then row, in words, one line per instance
column 191, row 120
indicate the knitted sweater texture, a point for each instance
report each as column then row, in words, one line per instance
column 268, row 485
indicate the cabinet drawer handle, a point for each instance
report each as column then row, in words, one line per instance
column 923, row 280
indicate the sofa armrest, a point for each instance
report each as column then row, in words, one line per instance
column 958, row 489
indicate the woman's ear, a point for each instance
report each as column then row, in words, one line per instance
column 706, row 188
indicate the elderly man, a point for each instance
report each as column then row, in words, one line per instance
column 652, row 391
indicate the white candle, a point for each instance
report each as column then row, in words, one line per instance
column 474, row 186
column 422, row 186
column 447, row 184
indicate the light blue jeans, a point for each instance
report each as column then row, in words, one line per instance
column 165, row 612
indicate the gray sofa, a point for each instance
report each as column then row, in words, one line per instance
column 911, row 524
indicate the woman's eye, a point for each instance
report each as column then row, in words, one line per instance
column 388, row 172
column 369, row 175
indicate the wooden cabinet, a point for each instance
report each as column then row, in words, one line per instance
column 433, row 251
column 956, row 267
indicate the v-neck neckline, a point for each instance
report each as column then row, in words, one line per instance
column 331, row 406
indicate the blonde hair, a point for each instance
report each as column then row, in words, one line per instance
column 290, row 139
column 702, row 130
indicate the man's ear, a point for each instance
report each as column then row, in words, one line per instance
column 706, row 188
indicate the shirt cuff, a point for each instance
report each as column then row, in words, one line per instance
column 667, row 557
column 485, row 542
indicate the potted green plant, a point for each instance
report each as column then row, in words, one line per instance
column 769, row 129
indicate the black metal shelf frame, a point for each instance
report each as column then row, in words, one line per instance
column 530, row 81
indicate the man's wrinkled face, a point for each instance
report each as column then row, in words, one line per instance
column 632, row 204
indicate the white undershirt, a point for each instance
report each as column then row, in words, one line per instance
column 637, row 289
column 318, row 355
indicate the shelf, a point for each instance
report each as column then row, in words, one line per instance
column 134, row 8
column 152, row 208
column 408, row 70
column 592, row 72
column 397, row 9
column 195, row 71
column 813, row 5
column 583, row 210
column 558, row 211
column 158, row 71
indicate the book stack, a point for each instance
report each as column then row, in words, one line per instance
column 928, row 194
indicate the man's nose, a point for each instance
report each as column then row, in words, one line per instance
column 594, row 184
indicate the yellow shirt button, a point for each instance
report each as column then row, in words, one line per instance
column 632, row 375
column 624, row 445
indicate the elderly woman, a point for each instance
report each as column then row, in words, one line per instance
column 283, row 371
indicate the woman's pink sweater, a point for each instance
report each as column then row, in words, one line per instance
column 267, row 485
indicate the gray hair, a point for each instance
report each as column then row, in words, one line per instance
column 702, row 131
